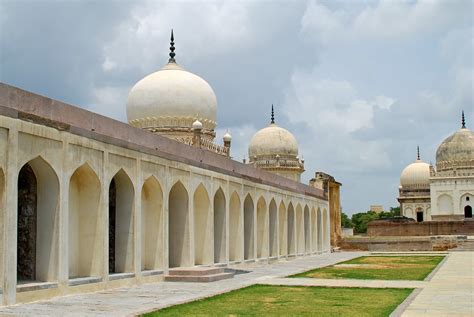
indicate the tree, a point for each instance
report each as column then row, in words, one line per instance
column 346, row 222
column 361, row 220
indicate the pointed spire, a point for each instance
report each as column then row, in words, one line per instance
column 273, row 116
column 172, row 53
column 463, row 121
column 418, row 152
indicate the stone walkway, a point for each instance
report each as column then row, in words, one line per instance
column 149, row 297
column 450, row 292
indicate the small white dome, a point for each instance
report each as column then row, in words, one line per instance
column 172, row 96
column 416, row 175
column 273, row 140
column 197, row 125
column 227, row 137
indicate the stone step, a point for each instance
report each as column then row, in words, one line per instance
column 199, row 278
column 196, row 271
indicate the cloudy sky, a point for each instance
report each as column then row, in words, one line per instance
column 359, row 83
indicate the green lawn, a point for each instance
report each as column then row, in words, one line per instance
column 266, row 300
column 379, row 268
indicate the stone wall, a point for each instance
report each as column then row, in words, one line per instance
column 427, row 228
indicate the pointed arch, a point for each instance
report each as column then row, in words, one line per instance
column 320, row 231
column 152, row 226
column 248, row 228
column 282, row 229
column 307, row 230
column 219, row 226
column 38, row 208
column 299, row 229
column 236, row 228
column 2, row 219
column 178, row 227
column 291, row 230
column 273, row 228
column 262, row 228
column 203, row 223
column 84, row 238
column 121, row 225
column 314, row 231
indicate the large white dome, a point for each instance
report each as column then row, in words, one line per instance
column 456, row 150
column 171, row 96
column 273, row 140
column 416, row 176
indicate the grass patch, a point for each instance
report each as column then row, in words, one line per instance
column 269, row 300
column 379, row 268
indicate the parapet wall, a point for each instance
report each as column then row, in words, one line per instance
column 427, row 228
column 20, row 104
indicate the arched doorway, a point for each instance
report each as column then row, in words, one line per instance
column 37, row 244
column 299, row 230
column 203, row 222
column 178, row 230
column 291, row 230
column 248, row 228
column 467, row 211
column 219, row 227
column 152, row 225
column 307, row 231
column 235, row 229
column 84, row 242
column 121, row 204
column 273, row 228
column 262, row 229
column 314, row 231
column 419, row 215
column 282, row 229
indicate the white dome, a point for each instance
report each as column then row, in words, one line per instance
column 416, row 175
column 171, row 96
column 273, row 140
column 456, row 150
column 227, row 137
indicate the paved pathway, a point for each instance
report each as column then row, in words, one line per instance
column 450, row 292
column 148, row 297
column 345, row 283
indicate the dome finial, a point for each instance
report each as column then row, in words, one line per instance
column 418, row 152
column 172, row 53
column 463, row 121
column 272, row 116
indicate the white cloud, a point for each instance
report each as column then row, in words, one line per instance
column 110, row 101
column 141, row 41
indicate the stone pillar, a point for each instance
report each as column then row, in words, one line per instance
column 10, row 220
column 227, row 140
column 197, row 133
column 137, row 223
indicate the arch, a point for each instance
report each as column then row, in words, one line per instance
column 178, row 226
column 38, row 208
column 236, row 228
column 273, row 228
column 291, row 230
column 248, row 228
column 307, row 232
column 320, row 231
column 121, row 208
column 219, row 227
column 445, row 204
column 325, row 217
column 152, row 226
column 299, row 229
column 2, row 217
column 262, row 228
column 203, row 222
column 314, row 231
column 282, row 229
column 467, row 211
column 84, row 205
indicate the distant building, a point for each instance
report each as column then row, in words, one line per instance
column 447, row 191
column 376, row 208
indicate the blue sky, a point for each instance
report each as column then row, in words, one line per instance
column 359, row 83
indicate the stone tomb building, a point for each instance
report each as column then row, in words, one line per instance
column 89, row 203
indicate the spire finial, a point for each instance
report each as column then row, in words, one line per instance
column 273, row 116
column 172, row 53
column 463, row 121
column 418, row 152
